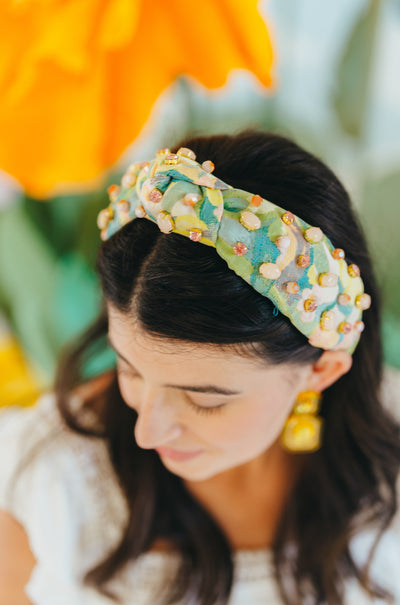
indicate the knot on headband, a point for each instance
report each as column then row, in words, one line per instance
column 281, row 256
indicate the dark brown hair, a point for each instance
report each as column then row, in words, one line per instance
column 185, row 291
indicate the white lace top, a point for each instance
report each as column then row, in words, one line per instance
column 73, row 511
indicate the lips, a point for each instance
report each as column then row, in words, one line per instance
column 179, row 456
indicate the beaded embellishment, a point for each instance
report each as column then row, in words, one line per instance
column 296, row 266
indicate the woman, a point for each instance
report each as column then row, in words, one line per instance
column 239, row 453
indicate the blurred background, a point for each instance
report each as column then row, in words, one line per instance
column 88, row 86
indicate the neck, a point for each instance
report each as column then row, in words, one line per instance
column 247, row 501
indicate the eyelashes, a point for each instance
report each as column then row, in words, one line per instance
column 209, row 410
column 217, row 409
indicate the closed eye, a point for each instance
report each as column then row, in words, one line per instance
column 200, row 409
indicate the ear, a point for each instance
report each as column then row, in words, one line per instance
column 329, row 368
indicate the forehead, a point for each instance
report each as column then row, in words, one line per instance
column 130, row 339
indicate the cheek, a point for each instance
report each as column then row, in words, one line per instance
column 253, row 421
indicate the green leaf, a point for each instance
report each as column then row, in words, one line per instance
column 350, row 98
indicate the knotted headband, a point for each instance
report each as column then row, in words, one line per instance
column 281, row 256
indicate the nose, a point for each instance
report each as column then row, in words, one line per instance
column 156, row 423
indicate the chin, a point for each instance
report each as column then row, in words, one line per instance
column 194, row 474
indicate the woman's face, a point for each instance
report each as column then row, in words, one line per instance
column 203, row 409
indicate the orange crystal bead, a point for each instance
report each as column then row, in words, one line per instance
column 155, row 196
column 345, row 327
column 303, row 260
column 310, row 304
column 240, row 249
column 256, row 200
column 195, row 235
column 338, row 253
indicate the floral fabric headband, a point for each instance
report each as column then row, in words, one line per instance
column 281, row 256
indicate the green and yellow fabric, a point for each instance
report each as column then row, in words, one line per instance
column 281, row 256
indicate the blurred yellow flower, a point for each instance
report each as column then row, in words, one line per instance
column 78, row 78
column 18, row 384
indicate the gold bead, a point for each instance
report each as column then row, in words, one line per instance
column 313, row 235
column 208, row 166
column 327, row 321
column 282, row 242
column 133, row 168
column 354, row 270
column 165, row 222
column 363, row 301
column 140, row 212
column 186, row 153
column 359, row 326
column 344, row 299
column 163, row 151
column 145, row 166
column 288, row 218
column 172, row 159
column 123, row 206
column 250, row 220
column 128, row 180
column 328, row 280
column 104, row 217
column 269, row 271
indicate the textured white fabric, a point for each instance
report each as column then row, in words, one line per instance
column 72, row 509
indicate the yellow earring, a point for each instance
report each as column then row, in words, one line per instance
column 302, row 430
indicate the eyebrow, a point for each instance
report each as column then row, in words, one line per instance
column 206, row 388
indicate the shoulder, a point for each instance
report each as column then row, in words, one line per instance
column 20, row 430
column 61, row 487
column 384, row 565
column 38, row 450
